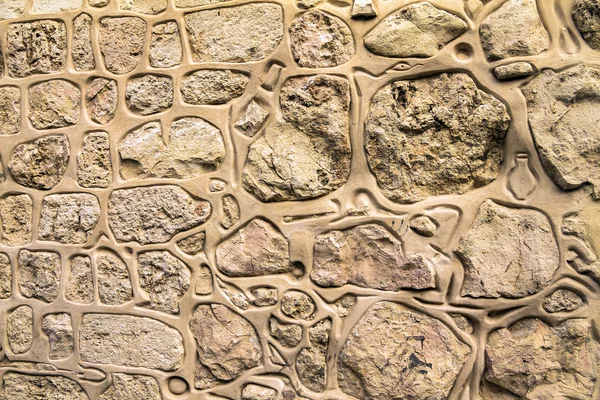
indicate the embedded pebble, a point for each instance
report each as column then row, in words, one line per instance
column 54, row 104
column 149, row 94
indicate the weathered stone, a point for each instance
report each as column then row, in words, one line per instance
column 102, row 98
column 41, row 163
column 54, row 6
column 306, row 4
column 227, row 343
column 165, row 278
column 298, row 305
column 122, row 42
column 434, row 136
column 363, row 9
column 586, row 15
column 396, row 352
column 252, row 119
column 423, row 225
column 5, row 276
column 265, row 296
column 343, row 305
column 217, row 185
column 418, row 30
column 562, row 300
column 150, row 7
column 38, row 47
column 258, row 392
column 10, row 109
column 130, row 341
column 196, row 3
column 80, row 286
column 211, row 86
column 48, row 387
column 256, row 249
column 533, row 360
column 10, row 9
column 132, row 387
column 98, row 3
column 306, row 155
column 204, row 282
column 114, row 284
column 513, row 71
column 59, row 330
column 149, row 94
column 39, row 274
column 54, row 104
column 165, row 46
column 320, row 40
column 154, row 214
column 513, row 30
column 237, row 296
column 81, row 49
column 311, row 363
column 289, row 335
column 249, row 32
column 94, row 165
column 69, row 218
column 193, row 244
column 19, row 329
column 231, row 211
column 16, row 212
column 507, row 252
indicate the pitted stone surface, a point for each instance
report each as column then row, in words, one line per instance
column 39, row 274
column 121, row 42
column 59, row 329
column 94, row 164
column 16, row 213
column 19, row 329
column 101, row 99
column 114, row 283
column 165, row 47
column 80, row 286
column 52, row 387
column 54, row 104
column 562, row 300
column 5, row 276
column 311, row 363
column 132, row 387
column 149, row 94
column 586, row 15
column 82, row 50
column 212, row 87
column 69, row 218
column 10, row 109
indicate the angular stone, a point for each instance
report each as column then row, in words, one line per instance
column 344, row 305
column 237, row 296
column 311, row 363
column 38, row 47
column 231, row 211
column 252, row 119
column 132, row 387
column 54, row 6
column 41, row 163
column 165, row 45
column 368, row 256
column 69, row 218
column 98, row 3
column 114, row 284
column 306, row 4
column 154, row 214
column 101, row 99
column 130, row 341
column 54, row 104
column 298, row 305
column 289, row 335
column 10, row 9
column 10, row 109
column 307, row 154
column 257, row 249
column 562, row 300
column 16, row 212
column 258, row 392
column 396, row 352
column 507, row 252
column 513, row 30
column 149, row 94
column 122, row 42
column 320, row 40
column 81, row 49
column 586, row 15
column 204, row 282
column 19, row 329
column 515, row 70
column 449, row 146
column 39, row 274
column 49, row 387
column 165, row 278
column 423, row 225
column 363, row 9
column 210, row 86
column 5, row 276
column 265, row 296
column 80, row 286
column 196, row 3
column 59, row 330
column 193, row 244
column 150, row 7
column 222, row 34
column 418, row 30
column 94, row 165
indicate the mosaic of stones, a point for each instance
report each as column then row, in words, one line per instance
column 299, row 199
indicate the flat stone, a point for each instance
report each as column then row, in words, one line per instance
column 423, row 225
column 193, row 244
column 418, row 30
column 5, row 276
column 513, row 30
column 132, row 387
column 16, row 212
column 222, row 34
column 311, row 363
column 59, row 330
column 80, row 286
column 154, row 214
column 363, row 9
column 39, row 274
column 19, row 329
column 586, row 15
column 396, row 352
column 94, row 165
column 10, row 109
column 98, row 3
column 69, row 218
column 10, row 9
column 298, row 305
column 289, row 335
column 54, row 6
column 165, row 46
column 258, row 392
column 122, row 42
column 252, row 119
column 368, row 256
column 320, row 40
column 306, row 4
column 54, row 104
column 149, row 7
column 196, row 3
column 149, row 94
column 204, row 282
column 515, row 70
column 81, row 49
column 236, row 296
column 265, row 296
column 231, row 211
column 212, row 87
column 434, row 136
column 101, row 99
column 114, row 284
column 562, row 300
column 21, row 386
column 130, row 341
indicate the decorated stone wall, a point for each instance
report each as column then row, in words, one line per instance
column 299, row 199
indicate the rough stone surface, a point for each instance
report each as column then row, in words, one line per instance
column 54, row 104
column 59, row 330
column 101, row 99
column 433, row 136
column 211, row 87
column 114, row 284
column 80, row 286
column 513, row 71
column 94, row 165
column 16, row 213
column 204, row 282
column 289, row 335
column 252, row 119
column 51, row 387
column 81, row 49
column 197, row 3
column 265, row 296
column 231, row 211
column 149, row 94
column 5, row 276
column 10, row 9
column 10, row 109
column 165, row 45
column 258, row 392
column 54, row 6
column 69, row 218
column 562, row 300
column 423, row 225
column 586, row 15
column 122, row 42
column 193, row 244
column 132, row 387
column 150, row 7
column 298, row 305
column 39, row 274
column 311, row 363
column 19, row 329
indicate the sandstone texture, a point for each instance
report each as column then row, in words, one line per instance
column 59, row 330
column 132, row 387
column 121, row 42
column 82, row 50
column 10, row 109
column 5, row 276
column 54, row 6
column 311, row 363
column 165, row 46
column 231, row 211
column 258, row 392
column 562, row 300
column 213, row 87
column 19, row 329
column 192, row 244
column 11, row 9
column 289, row 335
column 69, row 218
column 52, row 387
column 423, row 225
column 150, row 7
column 513, row 71
column 114, row 284
column 586, row 15
column 149, row 94
column 298, row 305
column 101, row 100
column 16, row 213
column 80, row 285
column 204, row 282
column 54, row 104
column 94, row 165
column 39, row 274
column 252, row 119
column 265, row 296
column 197, row 3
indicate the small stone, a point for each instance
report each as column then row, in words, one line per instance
column 10, row 9
column 249, row 32
column 311, row 363
column 59, row 330
column 423, row 225
column 298, row 305
column 149, row 7
column 130, row 341
column 98, row 3
column 363, row 9
column 193, row 244
column 132, row 387
column 5, row 276
column 217, row 185
column 211, row 86
column 462, row 322
column 19, row 329
column 38, row 47
column 114, row 284
column 231, row 211
column 48, row 387
column 16, row 212
column 54, row 104
column 54, row 6
column 165, row 45
column 573, row 225
column 237, row 296
column 515, row 70
column 320, row 40
column 82, row 50
column 122, row 42
column 289, row 335
column 513, row 30
column 586, row 15
column 80, row 286
column 196, row 3
column 154, row 214
column 252, row 119
column 265, row 296
column 149, row 94
column 69, row 218
column 562, row 300
column 94, row 166
column 102, row 98
column 39, row 274
column 343, row 306
column 10, row 109
column 306, row 4
column 204, row 282
column 258, row 392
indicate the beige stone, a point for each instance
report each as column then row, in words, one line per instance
column 165, row 45
column 101, row 99
column 311, row 363
column 39, row 274
column 231, row 211
column 81, row 49
column 289, row 335
column 197, row 3
column 213, row 87
column 11, row 9
column 5, row 276
column 114, row 284
column 150, row 7
column 69, row 218
column 59, row 329
column 149, row 94
column 122, row 42
column 54, row 6
column 16, row 212
column 298, row 305
column 515, row 70
column 193, row 244
column 132, row 387
column 19, row 329
column 51, row 387
column 54, row 104
column 265, row 296
column 252, row 119
column 423, row 225
column 94, row 165
column 562, row 300
column 10, row 109
column 80, row 284
column 204, row 282
column 258, row 392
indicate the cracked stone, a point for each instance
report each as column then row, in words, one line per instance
column 10, row 108
column 80, row 286
column 515, row 70
column 193, row 244
column 252, row 119
column 10, row 9
column 16, row 212
column 298, row 305
column 562, row 300
column 586, row 15
column 54, row 104
column 69, row 218
column 59, row 330
column 81, row 49
column 311, row 363
column 265, row 296
column 212, row 87
column 51, row 387
column 289, row 335
column 165, row 45
column 231, row 211
column 19, row 329
column 363, row 9
column 258, row 392
column 94, row 165
column 101, row 99
column 149, row 94
column 132, row 387
column 423, row 225
column 114, row 284
column 149, row 7
column 39, row 274
column 122, row 42
column 54, row 6
column 5, row 276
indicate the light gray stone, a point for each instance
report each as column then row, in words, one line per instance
column 102, row 99
column 19, row 329
column 54, row 104
column 94, row 165
column 114, row 283
column 212, row 87
column 39, row 274
column 149, row 94
column 165, row 45
column 122, row 42
column 69, row 218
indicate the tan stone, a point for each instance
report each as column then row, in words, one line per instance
column 54, row 104
column 81, row 49
column 193, row 244
column 562, row 300
column 21, row 386
column 212, row 87
column 311, row 363
column 196, row 3
column 114, row 284
column 16, row 212
column 5, row 276
column 515, row 70
column 101, row 99
column 39, row 274
column 204, row 282
column 298, row 305
column 122, row 42
column 149, row 94
column 165, row 45
column 132, row 387
column 10, row 108
column 423, row 225
column 150, row 7
column 11, row 9
column 258, row 392
column 80, row 285
column 19, row 329
column 586, row 15
column 59, row 330
column 231, row 211
column 94, row 165
column 54, row 6
column 289, row 335
column 69, row 218
column 265, row 296
column 252, row 119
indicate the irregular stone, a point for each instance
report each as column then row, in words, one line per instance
column 306, row 4
column 51, row 387
column 289, row 335
column 396, row 352
column 5, row 276
column 258, row 392
column 423, row 225
column 297, row 305
column 311, row 363
column 54, row 6
column 320, row 40
column 165, row 278
column 252, row 119
column 573, row 225
column 237, row 296
column 204, row 283
column 132, row 387
column 16, row 212
column 94, row 165
column 531, row 359
column 307, row 154
column 59, row 330
column 196, row 3
column 165, row 45
column 38, row 47
column 433, row 136
column 39, row 274
column 566, row 127
column 507, row 252
column 222, row 34
column 217, row 185
column 69, row 218
column 227, row 343
column 150, row 7
column 149, row 94
column 154, row 214
column 562, row 300
column 10, row 9
column 54, row 104
column 211, row 86
column 81, row 49
column 114, row 284
column 368, row 256
column 586, row 15
column 231, row 211
column 130, row 341
column 462, row 322
column 258, row 248
column 102, row 98
column 343, row 306
column 513, row 30
column 265, row 296
column 363, row 9
column 193, row 244
column 80, row 286
column 418, row 30
column 10, row 108
column 98, row 3
column 122, row 42
column 515, row 70
column 19, row 329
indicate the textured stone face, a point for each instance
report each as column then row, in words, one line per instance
column 150, row 7
column 69, row 218
column 19, row 329
column 165, row 47
column 5, row 276
column 82, row 51
column 121, row 42
column 114, row 285
column 289, row 335
column 562, row 300
column 59, row 330
column 20, row 386
column 149, row 94
column 39, row 274
column 94, row 165
column 16, row 213
column 132, row 387
column 101, row 99
column 80, row 286
column 10, row 110
column 586, row 15
column 311, row 363
column 54, row 104
column 210, row 87
column 297, row 305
